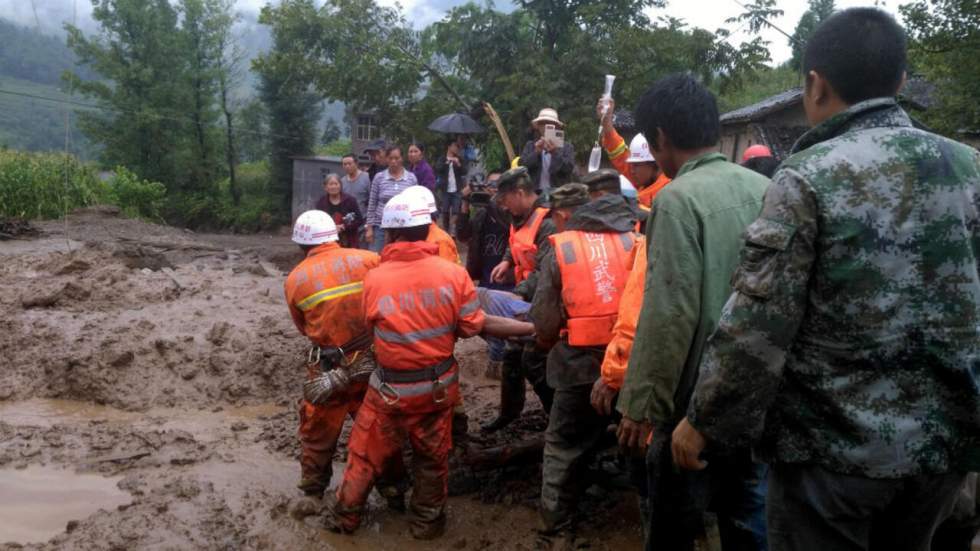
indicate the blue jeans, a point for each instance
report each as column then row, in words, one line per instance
column 379, row 240
column 503, row 304
column 732, row 486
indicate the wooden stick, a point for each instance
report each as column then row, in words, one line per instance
column 500, row 130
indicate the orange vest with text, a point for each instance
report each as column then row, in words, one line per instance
column 522, row 245
column 324, row 293
column 417, row 304
column 594, row 268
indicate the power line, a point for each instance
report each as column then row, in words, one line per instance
column 133, row 111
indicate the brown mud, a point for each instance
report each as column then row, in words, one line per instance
column 152, row 374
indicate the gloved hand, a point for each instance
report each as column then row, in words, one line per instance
column 319, row 389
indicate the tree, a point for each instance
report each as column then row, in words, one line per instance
column 331, row 132
column 809, row 21
column 252, row 134
column 286, row 91
column 228, row 69
column 140, row 55
column 944, row 41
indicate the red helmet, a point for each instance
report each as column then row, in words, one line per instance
column 757, row 150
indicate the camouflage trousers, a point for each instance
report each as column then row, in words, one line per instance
column 575, row 432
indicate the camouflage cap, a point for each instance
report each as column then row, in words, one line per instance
column 569, row 196
column 509, row 180
column 605, row 179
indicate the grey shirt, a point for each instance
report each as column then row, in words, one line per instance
column 359, row 188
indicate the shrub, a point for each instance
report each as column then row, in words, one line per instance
column 136, row 198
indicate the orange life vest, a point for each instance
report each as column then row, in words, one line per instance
column 445, row 242
column 324, row 293
column 522, row 246
column 594, row 268
column 417, row 305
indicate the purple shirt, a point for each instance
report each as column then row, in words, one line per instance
column 424, row 174
column 383, row 188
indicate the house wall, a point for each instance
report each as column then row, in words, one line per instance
column 736, row 138
column 308, row 176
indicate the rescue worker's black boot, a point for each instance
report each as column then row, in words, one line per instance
column 511, row 392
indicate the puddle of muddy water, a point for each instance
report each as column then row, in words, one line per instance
column 49, row 412
column 39, row 501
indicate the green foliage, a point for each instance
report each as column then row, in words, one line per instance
column 285, row 89
column 766, row 83
column 45, row 185
column 135, row 197
column 541, row 54
column 944, row 41
column 258, row 209
column 336, row 148
column 331, row 132
column 809, row 21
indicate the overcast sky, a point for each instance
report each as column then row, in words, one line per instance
column 708, row 14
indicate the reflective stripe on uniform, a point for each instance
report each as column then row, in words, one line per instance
column 414, row 336
column 412, row 389
column 330, row 294
column 469, row 307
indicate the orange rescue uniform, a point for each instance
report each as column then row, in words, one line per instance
column 324, row 294
column 624, row 331
column 522, row 246
column 417, row 305
column 445, row 242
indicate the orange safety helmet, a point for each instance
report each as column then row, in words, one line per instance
column 757, row 150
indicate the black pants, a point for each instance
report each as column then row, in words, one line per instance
column 523, row 362
column 811, row 508
column 733, row 486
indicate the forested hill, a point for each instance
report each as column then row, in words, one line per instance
column 31, row 64
column 27, row 54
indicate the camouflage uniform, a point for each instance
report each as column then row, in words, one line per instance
column 851, row 344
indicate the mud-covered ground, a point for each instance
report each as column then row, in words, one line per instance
column 166, row 361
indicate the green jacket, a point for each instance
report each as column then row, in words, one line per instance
column 694, row 234
column 853, row 338
column 570, row 366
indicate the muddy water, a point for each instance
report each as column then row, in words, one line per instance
column 38, row 502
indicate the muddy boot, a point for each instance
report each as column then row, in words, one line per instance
column 546, row 394
column 338, row 519
column 511, row 393
column 313, row 486
column 428, row 524
column 395, row 497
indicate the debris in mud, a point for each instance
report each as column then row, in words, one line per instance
column 15, row 228
column 68, row 292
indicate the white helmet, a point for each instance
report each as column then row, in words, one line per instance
column 406, row 210
column 640, row 151
column 314, row 227
column 626, row 187
column 425, row 195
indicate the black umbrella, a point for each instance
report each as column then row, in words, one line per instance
column 456, row 123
